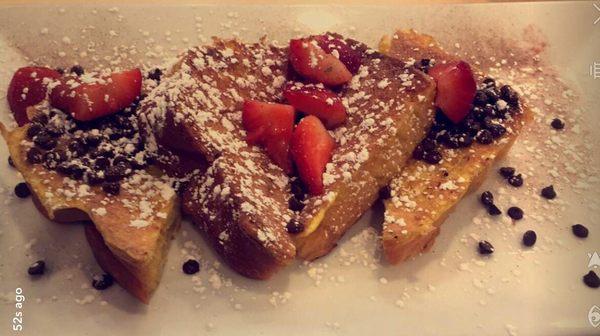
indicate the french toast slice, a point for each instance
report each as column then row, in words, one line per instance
column 424, row 194
column 241, row 202
column 128, row 233
column 390, row 107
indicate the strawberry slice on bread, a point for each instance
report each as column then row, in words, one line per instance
column 349, row 54
column 28, row 87
column 455, row 89
column 314, row 64
column 318, row 101
column 270, row 125
column 91, row 98
column 311, row 149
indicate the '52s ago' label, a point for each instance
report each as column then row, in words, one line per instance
column 17, row 320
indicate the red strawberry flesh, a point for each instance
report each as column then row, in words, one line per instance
column 318, row 101
column 455, row 89
column 28, row 87
column 314, row 64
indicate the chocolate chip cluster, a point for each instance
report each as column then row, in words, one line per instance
column 98, row 152
column 484, row 123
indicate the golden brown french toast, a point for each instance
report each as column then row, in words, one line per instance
column 241, row 202
column 425, row 192
column 129, row 233
column 390, row 108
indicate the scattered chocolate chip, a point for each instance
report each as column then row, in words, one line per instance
column 580, row 231
column 485, row 247
column 529, row 238
column 102, row 282
column 591, row 279
column 557, row 124
column 44, row 141
column 418, row 153
column 548, row 192
column 77, row 70
column 507, row 172
column 432, row 157
column 496, row 130
column 294, row 204
column 111, row 188
column 22, row 190
column 516, row 180
column 40, row 118
column 116, row 172
column 53, row 158
column 54, row 130
column 101, row 163
column 93, row 178
column 487, row 198
column 11, row 162
column 480, row 98
column 34, row 155
column 484, row 137
column 190, row 267
column 155, row 74
column 385, row 192
column 515, row 213
column 294, row 226
column 493, row 210
column 33, row 130
column 492, row 96
column 37, row 268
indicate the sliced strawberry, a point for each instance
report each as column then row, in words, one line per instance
column 311, row 62
column 270, row 125
column 28, row 87
column 455, row 89
column 349, row 54
column 311, row 151
column 320, row 102
column 97, row 98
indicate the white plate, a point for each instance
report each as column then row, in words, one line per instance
column 450, row 291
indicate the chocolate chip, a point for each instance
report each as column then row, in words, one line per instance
column 591, row 279
column 418, row 153
column 22, row 190
column 515, row 213
column 484, row 137
column 548, row 192
column 11, row 162
column 76, row 147
column 487, row 198
column 92, row 140
column 101, row 163
column 64, row 168
column 294, row 204
column 37, row 268
column 44, row 141
column 53, row 158
column 580, row 231
column 54, row 130
column 489, row 82
column 516, row 180
column 111, row 188
column 480, row 98
column 507, row 172
column 33, row 130
column 155, row 74
column 117, row 172
column 93, row 178
column 485, row 247
column 385, row 192
column 294, row 226
column 496, row 130
column 509, row 95
column 432, row 157
column 529, row 238
column 557, row 124
column 190, row 267
column 77, row 70
column 34, row 155
column 493, row 210
column 492, row 96
column 465, row 140
column 102, row 282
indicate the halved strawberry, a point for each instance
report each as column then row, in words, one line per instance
column 455, row 89
column 311, row 151
column 318, row 101
column 270, row 125
column 97, row 98
column 348, row 53
column 28, row 87
column 312, row 63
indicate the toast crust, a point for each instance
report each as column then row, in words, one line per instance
column 139, row 250
column 424, row 195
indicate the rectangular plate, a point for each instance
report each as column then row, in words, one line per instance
column 352, row 291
